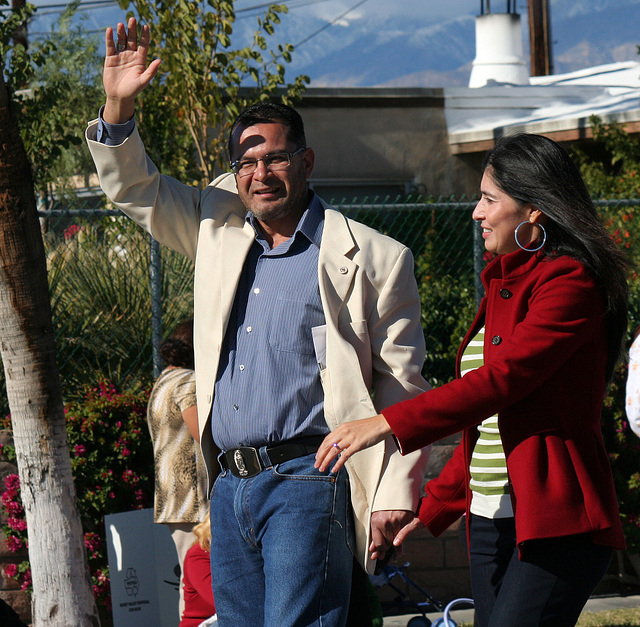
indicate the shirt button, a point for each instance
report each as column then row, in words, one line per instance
column 505, row 293
column 235, row 406
column 241, row 367
column 496, row 339
column 249, row 329
column 256, row 290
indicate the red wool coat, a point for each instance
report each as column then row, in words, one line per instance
column 544, row 375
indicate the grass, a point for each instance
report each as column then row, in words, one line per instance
column 611, row 618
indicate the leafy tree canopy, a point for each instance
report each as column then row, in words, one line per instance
column 56, row 88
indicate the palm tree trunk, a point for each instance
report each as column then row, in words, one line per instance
column 62, row 594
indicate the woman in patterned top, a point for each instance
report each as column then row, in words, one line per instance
column 180, row 500
column 633, row 384
column 531, row 472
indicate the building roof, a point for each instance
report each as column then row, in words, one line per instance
column 558, row 106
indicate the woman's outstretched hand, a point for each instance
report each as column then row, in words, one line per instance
column 349, row 438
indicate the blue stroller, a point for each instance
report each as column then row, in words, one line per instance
column 402, row 604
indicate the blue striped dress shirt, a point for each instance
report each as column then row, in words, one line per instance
column 268, row 387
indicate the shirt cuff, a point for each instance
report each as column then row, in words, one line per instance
column 114, row 134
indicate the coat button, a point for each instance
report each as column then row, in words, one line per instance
column 343, row 270
column 505, row 293
column 496, row 339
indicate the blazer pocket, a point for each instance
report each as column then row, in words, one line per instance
column 356, row 333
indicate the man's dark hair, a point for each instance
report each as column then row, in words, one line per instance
column 270, row 113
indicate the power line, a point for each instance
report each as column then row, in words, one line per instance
column 329, row 24
column 88, row 5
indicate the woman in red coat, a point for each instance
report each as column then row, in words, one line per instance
column 531, row 471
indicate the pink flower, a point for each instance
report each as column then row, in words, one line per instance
column 26, row 580
column 14, row 543
column 12, row 482
column 70, row 231
column 79, row 449
column 11, row 570
column 17, row 524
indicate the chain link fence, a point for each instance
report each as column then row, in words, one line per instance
column 115, row 292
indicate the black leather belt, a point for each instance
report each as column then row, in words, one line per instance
column 245, row 461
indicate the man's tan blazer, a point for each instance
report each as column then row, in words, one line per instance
column 374, row 339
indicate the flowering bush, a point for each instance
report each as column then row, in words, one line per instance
column 112, row 464
column 15, row 530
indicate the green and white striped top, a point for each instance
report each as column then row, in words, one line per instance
column 489, row 480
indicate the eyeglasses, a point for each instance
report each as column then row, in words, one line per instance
column 273, row 162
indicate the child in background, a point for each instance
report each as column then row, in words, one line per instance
column 199, row 608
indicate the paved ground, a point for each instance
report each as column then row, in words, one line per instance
column 595, row 604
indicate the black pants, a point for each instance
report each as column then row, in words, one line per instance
column 547, row 587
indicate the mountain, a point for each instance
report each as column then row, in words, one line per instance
column 398, row 45
column 377, row 50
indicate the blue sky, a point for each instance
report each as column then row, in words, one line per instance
column 330, row 10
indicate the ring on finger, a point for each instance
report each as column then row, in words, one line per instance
column 337, row 447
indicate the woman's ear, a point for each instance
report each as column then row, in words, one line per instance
column 535, row 215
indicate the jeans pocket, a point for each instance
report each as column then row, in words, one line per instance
column 301, row 469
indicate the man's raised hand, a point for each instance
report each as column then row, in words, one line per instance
column 125, row 70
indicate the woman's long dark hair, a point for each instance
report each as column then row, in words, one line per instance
column 177, row 350
column 535, row 170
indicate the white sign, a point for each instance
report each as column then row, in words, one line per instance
column 143, row 566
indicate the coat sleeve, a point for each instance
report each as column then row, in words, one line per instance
column 166, row 208
column 397, row 343
column 562, row 312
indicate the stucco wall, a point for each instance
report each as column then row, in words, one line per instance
column 386, row 135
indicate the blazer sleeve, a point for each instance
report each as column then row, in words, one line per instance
column 563, row 312
column 163, row 206
column 398, row 348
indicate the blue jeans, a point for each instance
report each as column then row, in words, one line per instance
column 281, row 547
column 548, row 586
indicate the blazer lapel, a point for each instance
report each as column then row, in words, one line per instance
column 236, row 240
column 336, row 270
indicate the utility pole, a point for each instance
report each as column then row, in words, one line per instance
column 540, row 37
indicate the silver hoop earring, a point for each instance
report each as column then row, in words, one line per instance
column 544, row 236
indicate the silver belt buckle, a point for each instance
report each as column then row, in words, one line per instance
column 247, row 461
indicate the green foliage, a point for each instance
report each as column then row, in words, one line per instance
column 16, row 64
column 624, row 452
column 56, row 86
column 100, row 296
column 448, row 307
column 204, row 82
column 611, row 169
column 112, row 465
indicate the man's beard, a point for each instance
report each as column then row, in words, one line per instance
column 282, row 210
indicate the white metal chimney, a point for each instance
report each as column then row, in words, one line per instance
column 499, row 54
